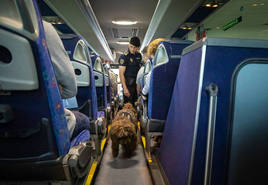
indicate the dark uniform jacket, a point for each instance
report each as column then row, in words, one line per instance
column 132, row 63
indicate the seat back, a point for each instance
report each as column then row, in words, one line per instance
column 164, row 72
column 148, row 66
column 189, row 127
column 108, row 84
column 81, row 61
column 99, row 77
column 32, row 125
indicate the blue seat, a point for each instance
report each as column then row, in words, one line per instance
column 111, row 96
column 33, row 132
column 108, row 85
column 162, row 79
column 214, row 65
column 100, row 82
column 86, row 96
column 163, row 76
column 80, row 57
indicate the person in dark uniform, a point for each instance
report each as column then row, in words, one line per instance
column 129, row 65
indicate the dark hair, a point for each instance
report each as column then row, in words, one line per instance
column 135, row 41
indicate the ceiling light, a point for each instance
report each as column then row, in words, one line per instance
column 124, row 22
column 254, row 4
column 213, row 4
column 57, row 22
column 122, row 43
column 262, row 4
column 186, row 27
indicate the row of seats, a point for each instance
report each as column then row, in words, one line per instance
column 164, row 68
column 92, row 84
column 94, row 97
column 34, row 137
column 215, row 129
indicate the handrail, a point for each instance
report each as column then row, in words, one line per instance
column 213, row 92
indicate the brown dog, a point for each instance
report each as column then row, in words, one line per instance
column 124, row 131
column 128, row 111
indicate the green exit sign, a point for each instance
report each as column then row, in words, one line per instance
column 232, row 23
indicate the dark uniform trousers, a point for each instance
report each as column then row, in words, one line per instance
column 131, row 85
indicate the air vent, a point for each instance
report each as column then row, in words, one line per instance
column 115, row 33
column 124, row 33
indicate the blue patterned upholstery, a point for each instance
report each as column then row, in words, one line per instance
column 187, row 120
column 35, row 142
column 162, row 81
column 39, row 112
column 82, row 137
column 93, row 95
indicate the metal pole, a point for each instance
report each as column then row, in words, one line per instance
column 213, row 92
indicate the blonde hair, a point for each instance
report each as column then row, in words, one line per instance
column 152, row 47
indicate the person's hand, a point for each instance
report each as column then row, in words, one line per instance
column 126, row 92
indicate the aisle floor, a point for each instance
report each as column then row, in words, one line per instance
column 122, row 171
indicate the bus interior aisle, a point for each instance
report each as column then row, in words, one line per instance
column 121, row 171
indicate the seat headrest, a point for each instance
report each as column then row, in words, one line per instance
column 19, row 16
column 17, row 63
column 81, row 52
